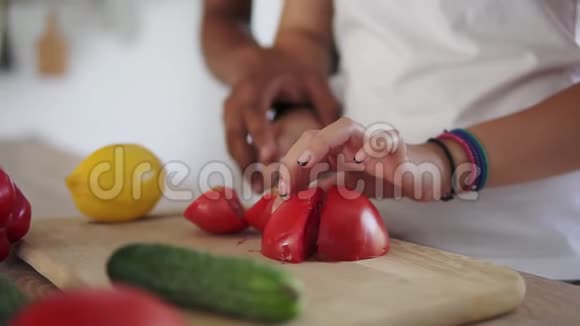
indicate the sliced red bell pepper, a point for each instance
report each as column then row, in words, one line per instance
column 351, row 228
column 217, row 211
column 291, row 232
column 258, row 215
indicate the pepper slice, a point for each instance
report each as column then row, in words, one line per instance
column 291, row 232
column 217, row 211
column 351, row 228
column 259, row 214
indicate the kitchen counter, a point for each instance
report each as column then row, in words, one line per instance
column 39, row 169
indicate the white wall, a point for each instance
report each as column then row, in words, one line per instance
column 142, row 81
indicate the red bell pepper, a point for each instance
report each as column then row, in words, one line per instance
column 258, row 215
column 4, row 245
column 343, row 226
column 290, row 234
column 15, row 214
column 350, row 228
column 6, row 197
column 217, row 211
column 97, row 307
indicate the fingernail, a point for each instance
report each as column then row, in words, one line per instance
column 304, row 158
column 360, row 156
column 282, row 188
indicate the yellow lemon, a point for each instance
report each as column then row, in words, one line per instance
column 117, row 183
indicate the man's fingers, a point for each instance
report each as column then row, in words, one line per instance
column 269, row 174
column 242, row 152
column 236, row 134
column 325, row 103
column 257, row 183
column 251, row 100
column 262, row 134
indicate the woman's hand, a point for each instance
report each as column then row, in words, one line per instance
column 372, row 160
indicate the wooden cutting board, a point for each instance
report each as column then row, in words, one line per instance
column 412, row 285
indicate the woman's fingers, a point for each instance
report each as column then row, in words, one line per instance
column 344, row 146
column 308, row 159
column 290, row 173
column 378, row 144
column 334, row 136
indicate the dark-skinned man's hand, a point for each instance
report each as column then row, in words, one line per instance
column 275, row 80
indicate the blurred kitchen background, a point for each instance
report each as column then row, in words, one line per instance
column 134, row 74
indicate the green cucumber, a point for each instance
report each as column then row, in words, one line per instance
column 11, row 300
column 238, row 287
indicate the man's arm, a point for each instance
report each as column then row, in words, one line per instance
column 230, row 50
column 305, row 34
column 294, row 71
column 227, row 43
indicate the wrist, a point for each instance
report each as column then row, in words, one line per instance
column 446, row 177
column 253, row 59
column 433, row 170
column 246, row 61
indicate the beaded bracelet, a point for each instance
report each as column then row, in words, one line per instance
column 468, row 151
column 476, row 155
column 480, row 153
column 476, row 172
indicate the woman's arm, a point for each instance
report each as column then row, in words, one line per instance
column 539, row 142
column 536, row 143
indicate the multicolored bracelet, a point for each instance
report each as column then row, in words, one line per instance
column 476, row 155
column 481, row 156
column 467, row 149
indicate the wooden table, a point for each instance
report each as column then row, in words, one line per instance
column 39, row 169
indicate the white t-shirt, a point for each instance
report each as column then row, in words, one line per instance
column 428, row 65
